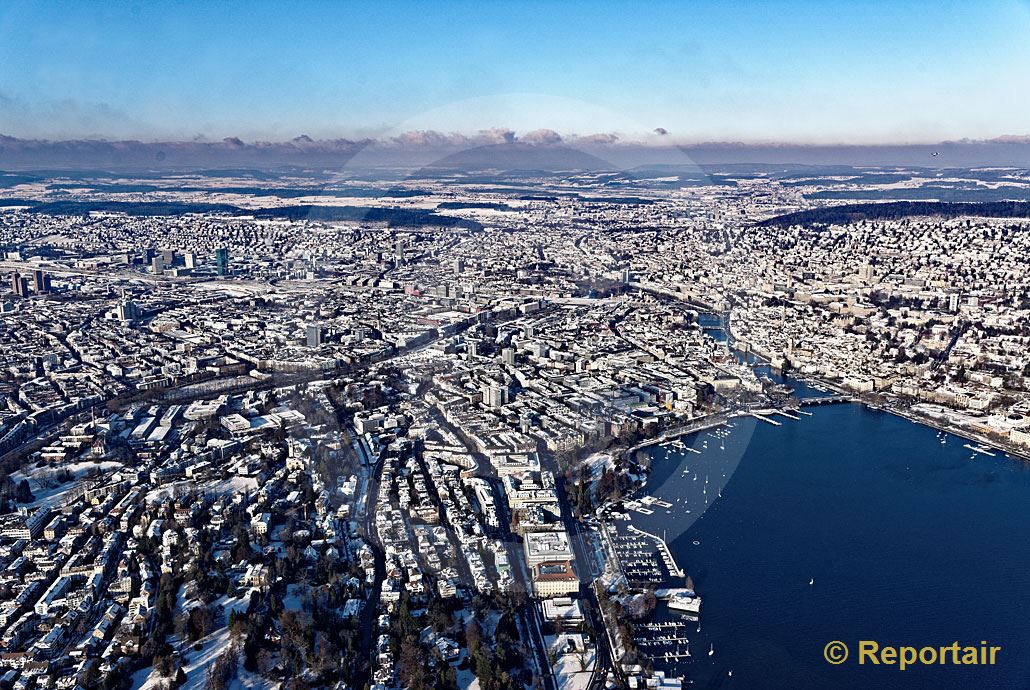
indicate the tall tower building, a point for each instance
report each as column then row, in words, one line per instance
column 128, row 310
column 40, row 282
column 494, row 395
column 222, row 261
column 19, row 285
column 315, row 335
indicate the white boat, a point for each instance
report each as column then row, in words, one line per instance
column 685, row 602
column 711, row 650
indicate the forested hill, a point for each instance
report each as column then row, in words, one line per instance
column 850, row 213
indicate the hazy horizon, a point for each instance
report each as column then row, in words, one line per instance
column 497, row 148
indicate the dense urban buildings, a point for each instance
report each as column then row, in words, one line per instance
column 359, row 430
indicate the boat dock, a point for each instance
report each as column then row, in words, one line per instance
column 692, row 426
column 655, row 501
column 664, row 550
column 756, row 415
column 636, row 559
column 979, row 449
column 666, row 643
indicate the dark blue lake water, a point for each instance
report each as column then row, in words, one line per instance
column 908, row 540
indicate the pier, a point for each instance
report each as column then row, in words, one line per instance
column 670, row 562
column 756, row 415
column 692, row 426
column 665, row 643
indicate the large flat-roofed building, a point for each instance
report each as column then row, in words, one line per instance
column 562, row 612
column 547, row 546
column 554, row 579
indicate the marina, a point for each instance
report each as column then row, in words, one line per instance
column 663, row 550
column 787, row 494
column 838, row 474
column 666, row 644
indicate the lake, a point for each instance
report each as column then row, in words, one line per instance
column 908, row 541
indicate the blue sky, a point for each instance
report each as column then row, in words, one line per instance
column 810, row 72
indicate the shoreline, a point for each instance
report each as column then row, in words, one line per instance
column 1011, row 451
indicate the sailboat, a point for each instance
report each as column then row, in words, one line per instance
column 711, row 651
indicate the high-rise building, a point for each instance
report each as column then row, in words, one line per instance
column 222, row 261
column 40, row 282
column 157, row 264
column 316, row 335
column 189, row 260
column 168, row 256
column 128, row 311
column 19, row 285
column 495, row 395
